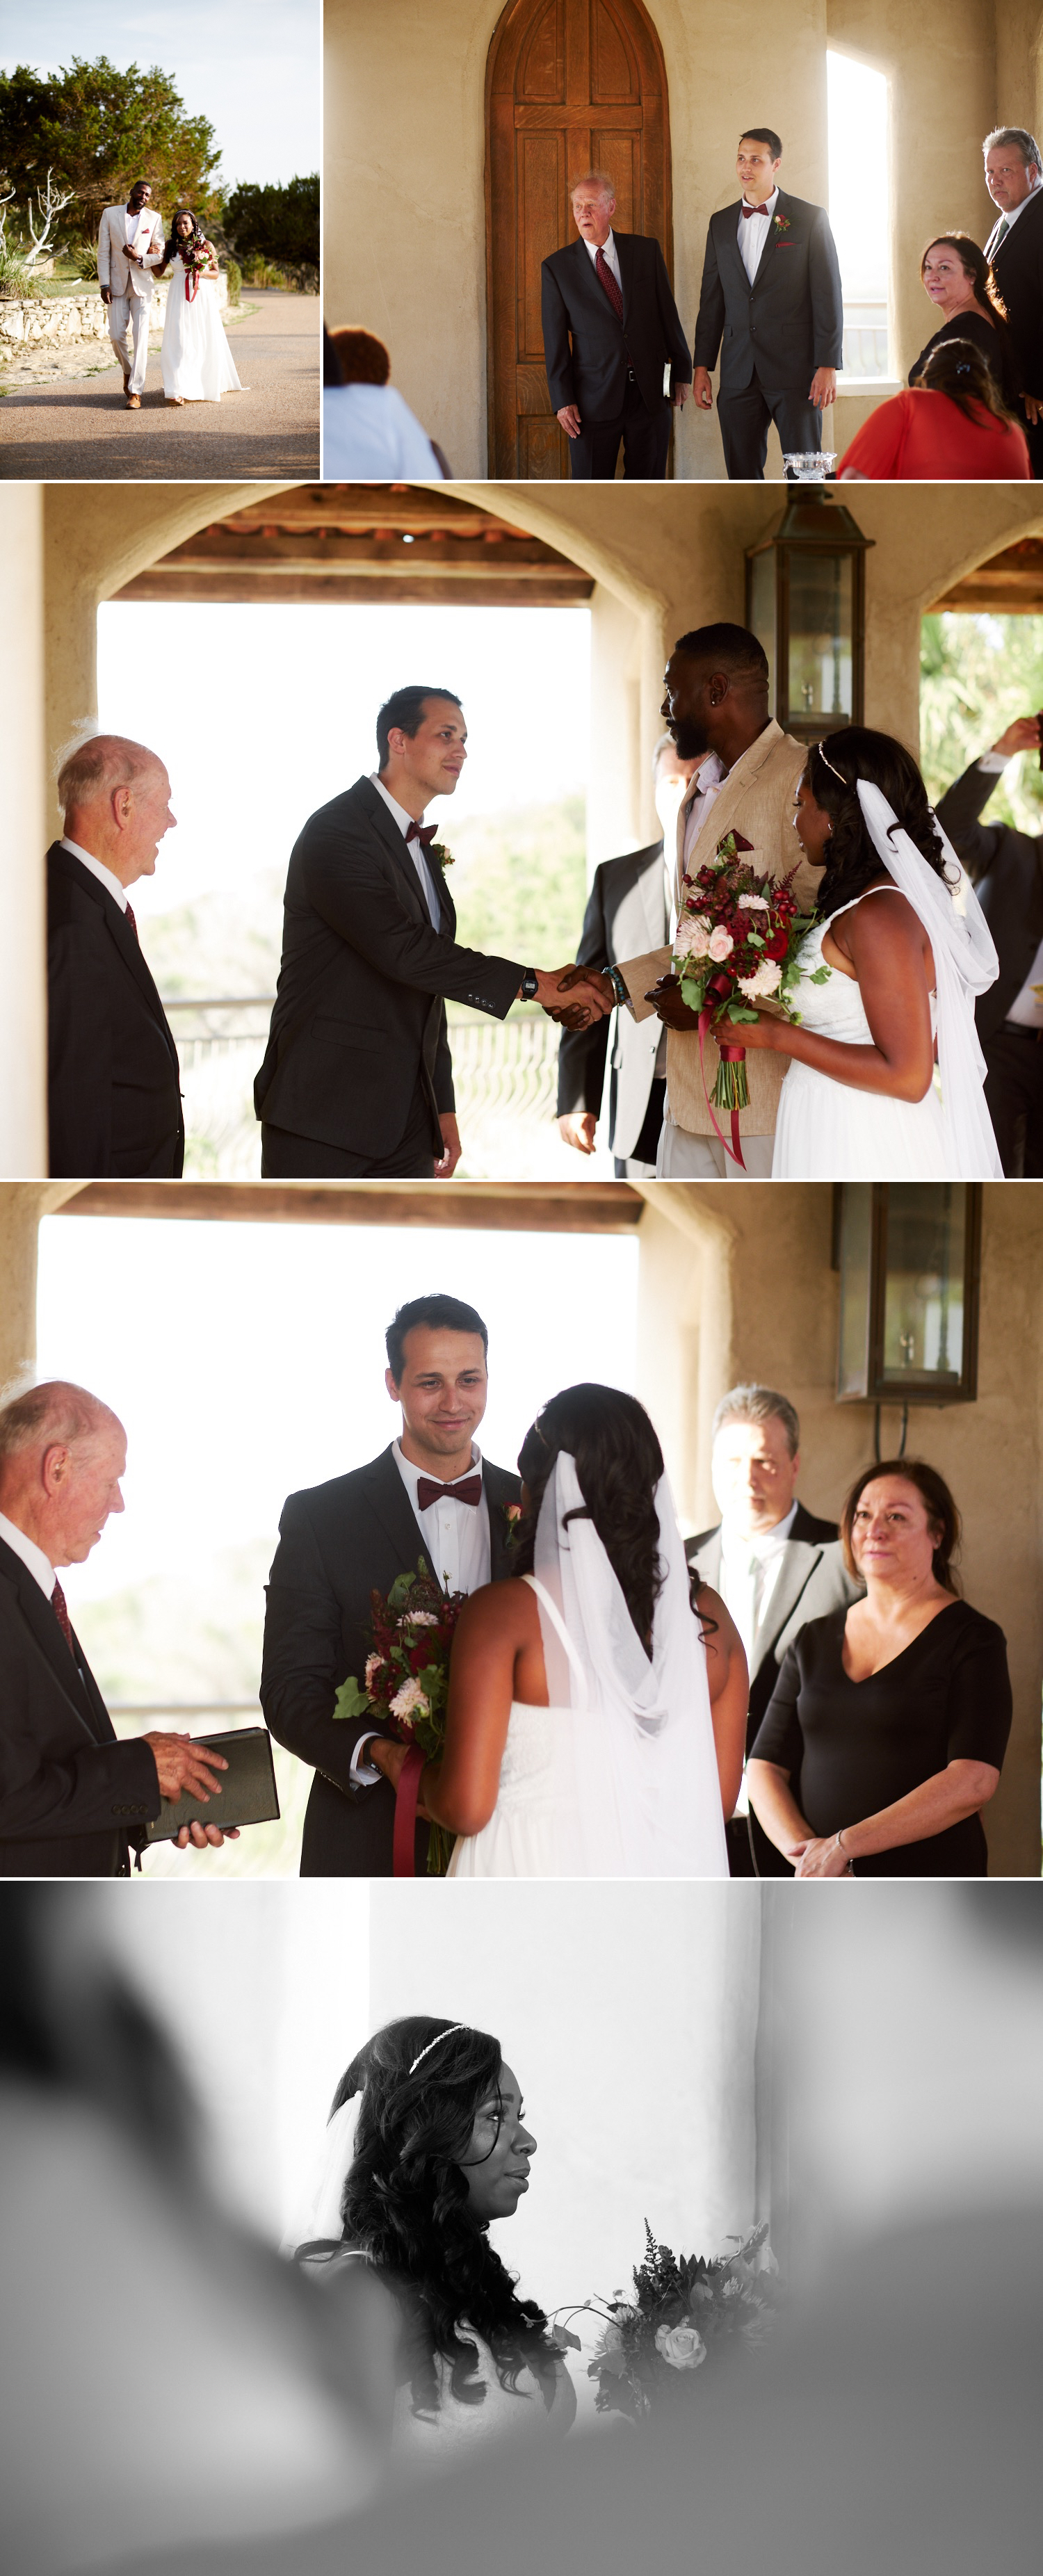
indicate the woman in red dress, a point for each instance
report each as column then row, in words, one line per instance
column 951, row 427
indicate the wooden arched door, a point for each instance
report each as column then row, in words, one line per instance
column 571, row 85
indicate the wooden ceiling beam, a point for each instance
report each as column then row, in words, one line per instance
column 530, row 1207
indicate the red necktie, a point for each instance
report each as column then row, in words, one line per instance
column 609, row 284
column 61, row 1614
column 427, row 1492
column 753, row 210
column 128, row 916
column 422, row 832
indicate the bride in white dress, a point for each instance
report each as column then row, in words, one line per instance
column 195, row 356
column 886, row 1074
column 425, row 2147
column 596, row 1720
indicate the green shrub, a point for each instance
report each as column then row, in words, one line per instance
column 15, row 278
column 85, row 259
column 276, row 223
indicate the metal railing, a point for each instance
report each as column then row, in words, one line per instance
column 505, row 1076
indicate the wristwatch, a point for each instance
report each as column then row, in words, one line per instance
column 530, row 984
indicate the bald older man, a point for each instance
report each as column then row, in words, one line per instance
column 113, row 1088
column 72, row 1800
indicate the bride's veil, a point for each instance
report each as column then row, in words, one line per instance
column 646, row 1781
column 965, row 964
column 316, row 2211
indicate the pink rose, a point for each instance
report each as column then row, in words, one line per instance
column 693, row 937
column 721, row 946
column 682, row 2346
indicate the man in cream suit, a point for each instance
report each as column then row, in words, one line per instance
column 130, row 247
column 716, row 708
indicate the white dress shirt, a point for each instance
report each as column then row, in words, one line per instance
column 609, row 254
column 38, row 1565
column 418, row 856
column 753, row 233
column 1009, row 214
column 98, row 869
column 457, row 1545
column 750, row 1569
column 709, row 782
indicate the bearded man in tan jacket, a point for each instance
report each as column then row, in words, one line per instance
column 716, row 704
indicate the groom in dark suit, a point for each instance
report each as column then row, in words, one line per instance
column 357, row 1081
column 72, row 1799
column 774, row 1564
column 113, row 1087
column 771, row 302
column 431, row 1495
column 617, row 358
column 1014, row 179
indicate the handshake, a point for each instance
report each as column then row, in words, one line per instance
column 595, row 995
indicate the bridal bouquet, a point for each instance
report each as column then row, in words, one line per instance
column 685, row 2311
column 736, row 945
column 197, row 258
column 406, row 1681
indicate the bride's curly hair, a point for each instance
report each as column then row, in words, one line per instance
column 405, row 2204
column 852, row 862
column 174, row 241
column 618, row 1463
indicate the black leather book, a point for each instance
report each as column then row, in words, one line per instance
column 248, row 1792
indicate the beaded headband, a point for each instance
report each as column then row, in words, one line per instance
column 436, row 2043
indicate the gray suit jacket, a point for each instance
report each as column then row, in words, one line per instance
column 814, row 1579
column 778, row 331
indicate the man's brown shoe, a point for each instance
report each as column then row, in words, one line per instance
column 133, row 402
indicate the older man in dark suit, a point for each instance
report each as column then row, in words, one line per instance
column 771, row 302
column 774, row 1564
column 617, row 358
column 1007, row 868
column 629, row 904
column 1014, row 179
column 113, row 1085
column 72, row 1800
column 431, row 1495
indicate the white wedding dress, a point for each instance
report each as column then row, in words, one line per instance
column 195, row 356
column 833, row 1131
column 617, row 1778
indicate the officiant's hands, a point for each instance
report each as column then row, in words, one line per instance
column 451, row 1146
column 187, row 1769
column 594, row 996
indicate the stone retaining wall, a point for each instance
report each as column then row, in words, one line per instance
column 52, row 318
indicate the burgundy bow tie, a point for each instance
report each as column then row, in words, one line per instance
column 468, row 1491
column 58, row 1605
column 754, row 210
column 422, row 832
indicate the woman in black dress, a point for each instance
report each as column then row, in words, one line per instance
column 887, row 1727
column 959, row 280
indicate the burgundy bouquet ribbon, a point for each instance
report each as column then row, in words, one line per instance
column 403, row 1848
column 729, row 1055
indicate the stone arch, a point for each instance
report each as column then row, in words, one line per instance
column 568, row 83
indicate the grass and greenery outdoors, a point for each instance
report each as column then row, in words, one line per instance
column 77, row 138
column 977, row 674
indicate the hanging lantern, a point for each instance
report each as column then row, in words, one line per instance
column 909, row 1257
column 805, row 602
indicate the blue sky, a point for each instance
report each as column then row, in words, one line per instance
column 251, row 66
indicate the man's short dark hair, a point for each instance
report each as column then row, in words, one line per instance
column 405, row 708
column 762, row 134
column 1022, row 140
column 446, row 1314
column 729, row 648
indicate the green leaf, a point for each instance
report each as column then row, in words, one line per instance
column 352, row 1700
column 821, row 975
column 565, row 2341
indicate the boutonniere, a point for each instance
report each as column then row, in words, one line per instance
column 443, row 858
column 781, row 223
column 512, row 1513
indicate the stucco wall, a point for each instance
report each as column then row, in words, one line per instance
column 21, row 1208
column 405, row 150
column 757, row 1291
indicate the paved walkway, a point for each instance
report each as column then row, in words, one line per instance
column 80, row 431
